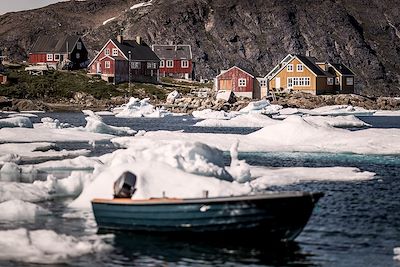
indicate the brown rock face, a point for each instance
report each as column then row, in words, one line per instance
column 257, row 34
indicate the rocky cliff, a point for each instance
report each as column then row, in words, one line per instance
column 257, row 34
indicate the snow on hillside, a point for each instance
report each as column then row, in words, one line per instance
column 143, row 4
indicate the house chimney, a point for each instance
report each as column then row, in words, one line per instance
column 120, row 38
column 139, row 40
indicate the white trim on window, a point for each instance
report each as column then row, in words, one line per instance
column 337, row 81
column 289, row 68
column 290, row 82
column 162, row 63
column 242, row 82
column 107, row 64
column 115, row 52
column 56, row 57
column 299, row 67
column 77, row 55
column 107, row 51
column 329, row 81
column 185, row 64
column 170, row 63
column 49, row 57
column 135, row 65
column 349, row 81
column 79, row 46
column 298, row 81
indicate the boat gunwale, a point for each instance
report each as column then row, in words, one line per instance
column 315, row 196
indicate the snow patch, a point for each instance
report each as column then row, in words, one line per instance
column 396, row 252
column 212, row 114
column 22, row 122
column 144, row 4
column 109, row 20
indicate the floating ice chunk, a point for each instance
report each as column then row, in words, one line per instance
column 387, row 113
column 28, row 115
column 283, row 176
column 239, row 169
column 396, row 252
column 10, row 157
column 51, row 123
column 137, row 108
column 46, row 246
column 44, row 190
column 255, row 106
column 247, row 120
column 10, row 172
column 95, row 124
column 18, row 210
column 335, row 110
column 104, row 113
column 154, row 178
column 212, row 114
column 349, row 121
column 22, row 122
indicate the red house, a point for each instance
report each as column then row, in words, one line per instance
column 59, row 52
column 119, row 57
column 240, row 82
column 176, row 60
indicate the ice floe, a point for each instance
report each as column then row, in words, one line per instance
column 212, row 114
column 341, row 110
column 36, row 152
column 22, row 122
column 51, row 123
column 95, row 124
column 47, row 246
column 396, row 252
column 137, row 108
column 247, row 120
column 187, row 169
column 349, row 121
column 28, row 115
column 291, row 135
column 44, row 190
column 18, row 210
column 387, row 113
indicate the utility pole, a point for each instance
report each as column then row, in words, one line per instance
column 129, row 71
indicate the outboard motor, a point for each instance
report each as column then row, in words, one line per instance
column 124, row 187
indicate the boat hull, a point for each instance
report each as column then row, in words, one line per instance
column 276, row 216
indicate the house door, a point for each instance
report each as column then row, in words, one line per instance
column 277, row 83
column 98, row 67
column 225, row 84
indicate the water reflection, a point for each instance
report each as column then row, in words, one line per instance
column 165, row 250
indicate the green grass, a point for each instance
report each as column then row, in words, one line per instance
column 55, row 85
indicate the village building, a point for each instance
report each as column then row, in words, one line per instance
column 118, row 58
column 176, row 61
column 59, row 52
column 3, row 76
column 306, row 74
column 243, row 83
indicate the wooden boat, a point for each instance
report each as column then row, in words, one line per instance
column 270, row 216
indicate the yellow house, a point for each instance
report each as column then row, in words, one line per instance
column 302, row 73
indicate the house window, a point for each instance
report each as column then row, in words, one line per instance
column 78, row 55
column 337, row 80
column 49, row 57
column 170, row 63
column 290, row 82
column 79, row 45
column 290, row 68
column 299, row 81
column 56, row 57
column 135, row 65
column 151, row 65
column 114, row 52
column 299, row 67
column 185, row 64
column 349, row 81
column 162, row 64
column 107, row 64
column 107, row 51
column 263, row 83
column 242, row 82
column 329, row 81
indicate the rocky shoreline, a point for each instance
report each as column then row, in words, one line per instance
column 187, row 104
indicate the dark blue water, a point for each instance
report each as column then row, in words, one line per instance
column 355, row 224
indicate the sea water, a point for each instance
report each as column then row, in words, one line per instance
column 354, row 224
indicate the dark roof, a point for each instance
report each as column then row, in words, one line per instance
column 247, row 70
column 342, row 69
column 138, row 51
column 55, row 44
column 310, row 63
column 173, row 51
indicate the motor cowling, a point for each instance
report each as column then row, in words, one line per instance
column 124, row 187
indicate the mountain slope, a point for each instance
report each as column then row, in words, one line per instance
column 253, row 33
